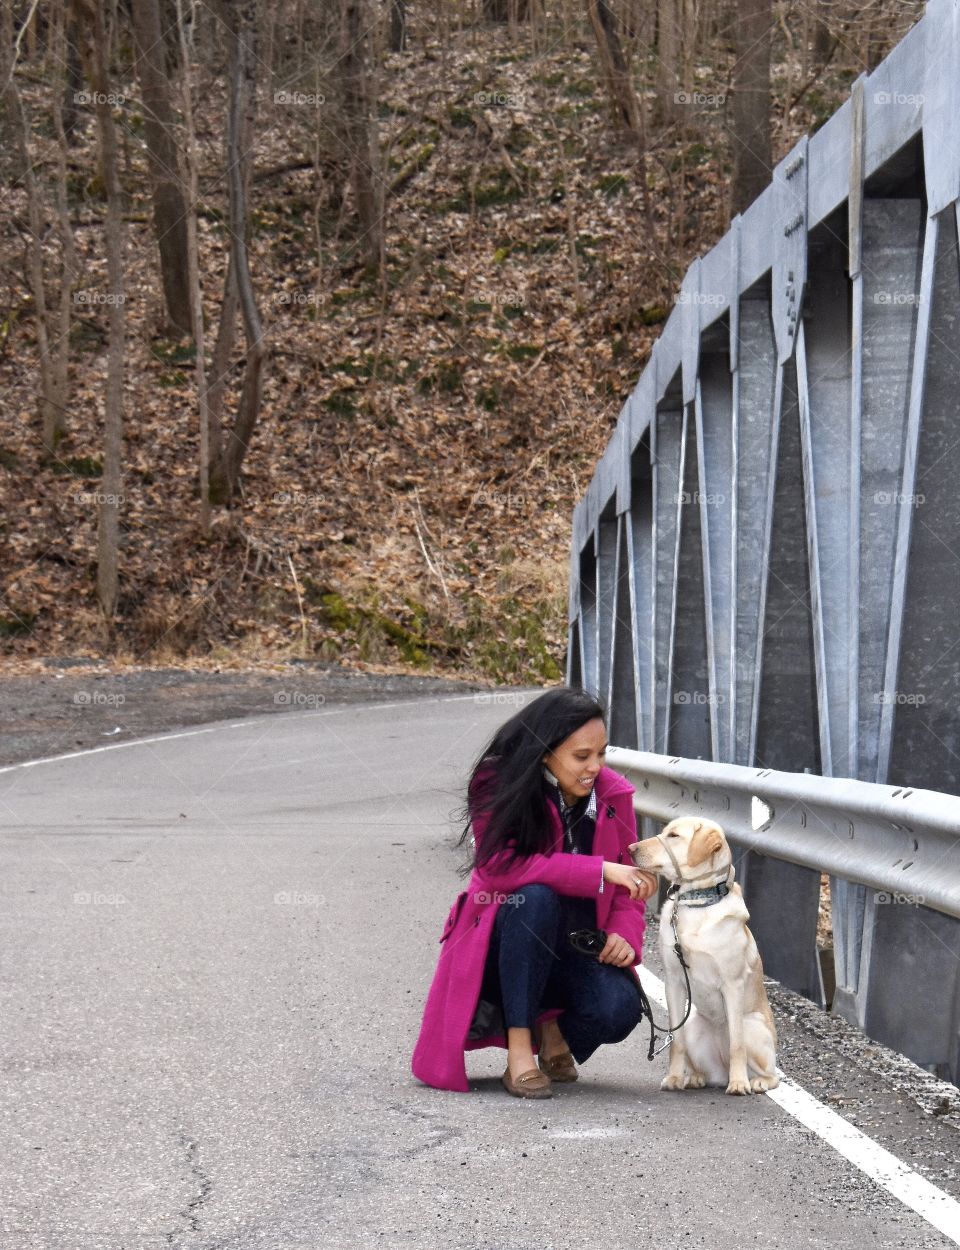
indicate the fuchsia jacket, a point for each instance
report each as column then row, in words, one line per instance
column 438, row 1058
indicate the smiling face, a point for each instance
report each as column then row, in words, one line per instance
column 577, row 760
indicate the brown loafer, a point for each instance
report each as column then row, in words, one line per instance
column 559, row 1067
column 530, row 1084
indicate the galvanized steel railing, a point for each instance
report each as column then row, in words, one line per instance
column 765, row 569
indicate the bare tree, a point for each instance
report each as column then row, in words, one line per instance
column 169, row 211
column 52, row 323
column 193, row 264
column 398, row 25
column 360, row 141
column 616, row 67
column 95, row 53
column 751, row 103
column 228, row 448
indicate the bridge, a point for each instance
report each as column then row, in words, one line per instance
column 765, row 568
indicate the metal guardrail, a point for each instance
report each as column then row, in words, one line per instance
column 900, row 847
column 897, row 841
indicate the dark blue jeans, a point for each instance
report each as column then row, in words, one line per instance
column 532, row 967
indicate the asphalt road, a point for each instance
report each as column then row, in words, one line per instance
column 214, row 950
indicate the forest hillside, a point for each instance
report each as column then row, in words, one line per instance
column 427, row 422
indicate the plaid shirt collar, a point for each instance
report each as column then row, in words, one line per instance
column 565, row 808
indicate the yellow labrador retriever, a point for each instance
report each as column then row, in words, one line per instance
column 730, row 1038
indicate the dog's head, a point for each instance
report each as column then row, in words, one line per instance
column 694, row 841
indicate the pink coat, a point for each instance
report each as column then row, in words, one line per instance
column 438, row 1058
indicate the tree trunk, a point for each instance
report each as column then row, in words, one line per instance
column 52, row 320
column 668, row 58
column 750, row 135
column 616, row 70
column 398, row 25
column 822, row 40
column 359, row 141
column 226, row 454
column 193, row 256
column 108, row 526
column 500, row 10
column 169, row 209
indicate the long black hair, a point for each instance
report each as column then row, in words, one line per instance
column 507, row 780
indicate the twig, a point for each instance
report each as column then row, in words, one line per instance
column 303, row 619
column 435, row 569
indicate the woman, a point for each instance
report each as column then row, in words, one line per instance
column 551, row 827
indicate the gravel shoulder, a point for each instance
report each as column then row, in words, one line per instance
column 63, row 705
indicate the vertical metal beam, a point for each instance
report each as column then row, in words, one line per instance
column 640, row 547
column 622, row 726
column 714, row 410
column 669, row 445
column 904, row 502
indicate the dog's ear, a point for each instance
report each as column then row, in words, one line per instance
column 706, row 841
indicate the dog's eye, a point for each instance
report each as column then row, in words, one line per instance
column 673, row 835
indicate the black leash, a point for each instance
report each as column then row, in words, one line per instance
column 592, row 942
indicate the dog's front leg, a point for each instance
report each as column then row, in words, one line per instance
column 738, row 1079
column 677, row 1075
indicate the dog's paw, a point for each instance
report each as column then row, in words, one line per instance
column 695, row 1080
column 760, row 1084
column 739, row 1087
column 672, row 1082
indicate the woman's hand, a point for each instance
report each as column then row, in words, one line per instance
column 641, row 884
column 618, row 952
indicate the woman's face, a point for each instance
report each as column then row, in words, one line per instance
column 577, row 760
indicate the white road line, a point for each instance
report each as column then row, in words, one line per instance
column 190, row 733
column 883, row 1168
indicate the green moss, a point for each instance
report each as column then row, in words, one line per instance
column 461, row 118
column 611, row 184
column 17, row 624
column 490, row 190
column 522, row 351
column 509, row 641
column 170, row 352
column 80, row 466
column 342, row 402
column 488, row 397
column 446, row 378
